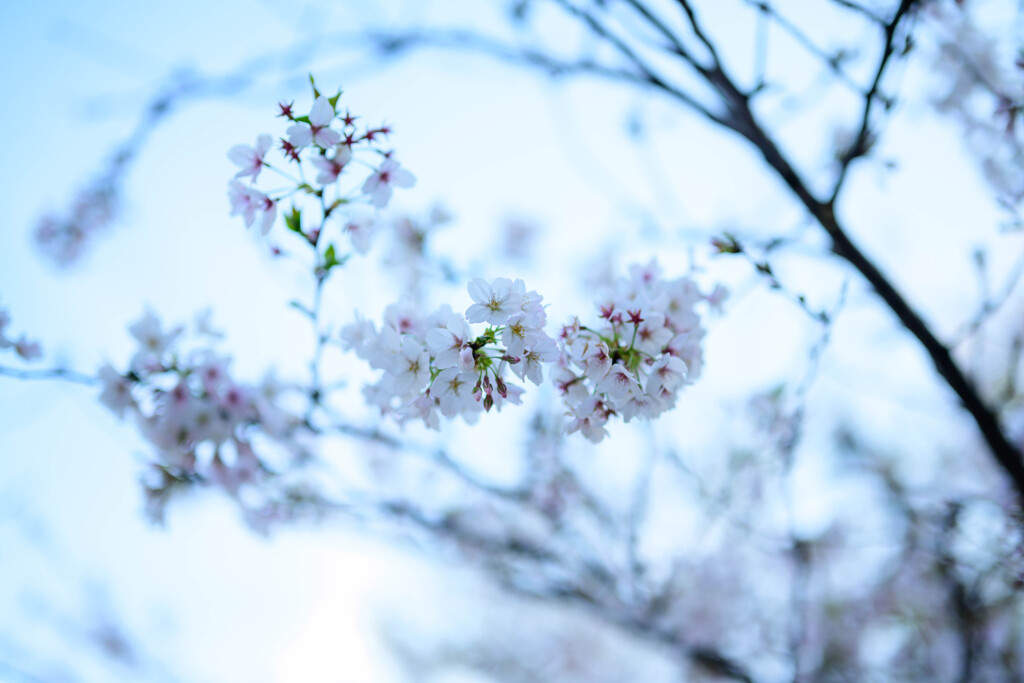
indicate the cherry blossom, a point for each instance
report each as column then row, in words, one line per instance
column 117, row 391
column 205, row 426
column 318, row 129
column 494, row 303
column 379, row 184
column 250, row 202
column 324, row 203
column 28, row 349
column 453, row 389
column 250, row 158
column 153, row 341
column 634, row 363
column 331, row 167
column 435, row 363
column 448, row 343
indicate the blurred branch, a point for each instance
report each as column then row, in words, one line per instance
column 991, row 303
column 860, row 9
column 833, row 61
column 63, row 374
column 743, row 121
column 861, row 144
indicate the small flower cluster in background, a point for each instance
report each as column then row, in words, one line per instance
column 202, row 422
column 982, row 91
column 26, row 348
column 633, row 363
column 64, row 239
column 318, row 154
column 436, row 365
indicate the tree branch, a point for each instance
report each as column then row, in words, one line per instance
column 50, row 373
column 742, row 120
column 861, row 145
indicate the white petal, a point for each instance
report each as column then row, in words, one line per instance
column 299, row 134
column 479, row 291
column 263, row 143
column 402, row 178
column 241, row 155
column 322, row 112
column 325, row 137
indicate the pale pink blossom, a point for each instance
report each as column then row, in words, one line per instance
column 360, row 231
column 411, row 369
column 589, row 418
column 668, row 373
column 494, row 303
column 27, row 349
column 357, row 335
column 652, row 335
column 153, row 341
column 717, row 297
column 250, row 158
column 250, row 202
column 516, row 335
column 596, row 360
column 213, row 372
column 318, row 129
column 448, row 342
column 331, row 167
column 379, row 184
column 542, row 350
column 619, row 383
column 453, row 389
column 424, row 407
column 117, row 391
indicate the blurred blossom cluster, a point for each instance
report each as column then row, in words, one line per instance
column 26, row 348
column 205, row 426
column 64, row 239
column 984, row 92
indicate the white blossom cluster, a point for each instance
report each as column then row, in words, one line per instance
column 26, row 348
column 633, row 363
column 201, row 422
column 322, row 145
column 436, row 365
column 646, row 347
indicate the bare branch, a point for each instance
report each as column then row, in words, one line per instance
column 832, row 61
column 699, row 32
column 647, row 73
column 860, row 145
column 62, row 374
column 860, row 9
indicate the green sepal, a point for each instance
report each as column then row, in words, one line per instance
column 331, row 259
column 335, row 204
column 334, row 100
column 293, row 220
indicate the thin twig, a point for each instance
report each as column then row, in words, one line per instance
column 860, row 145
column 61, row 374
